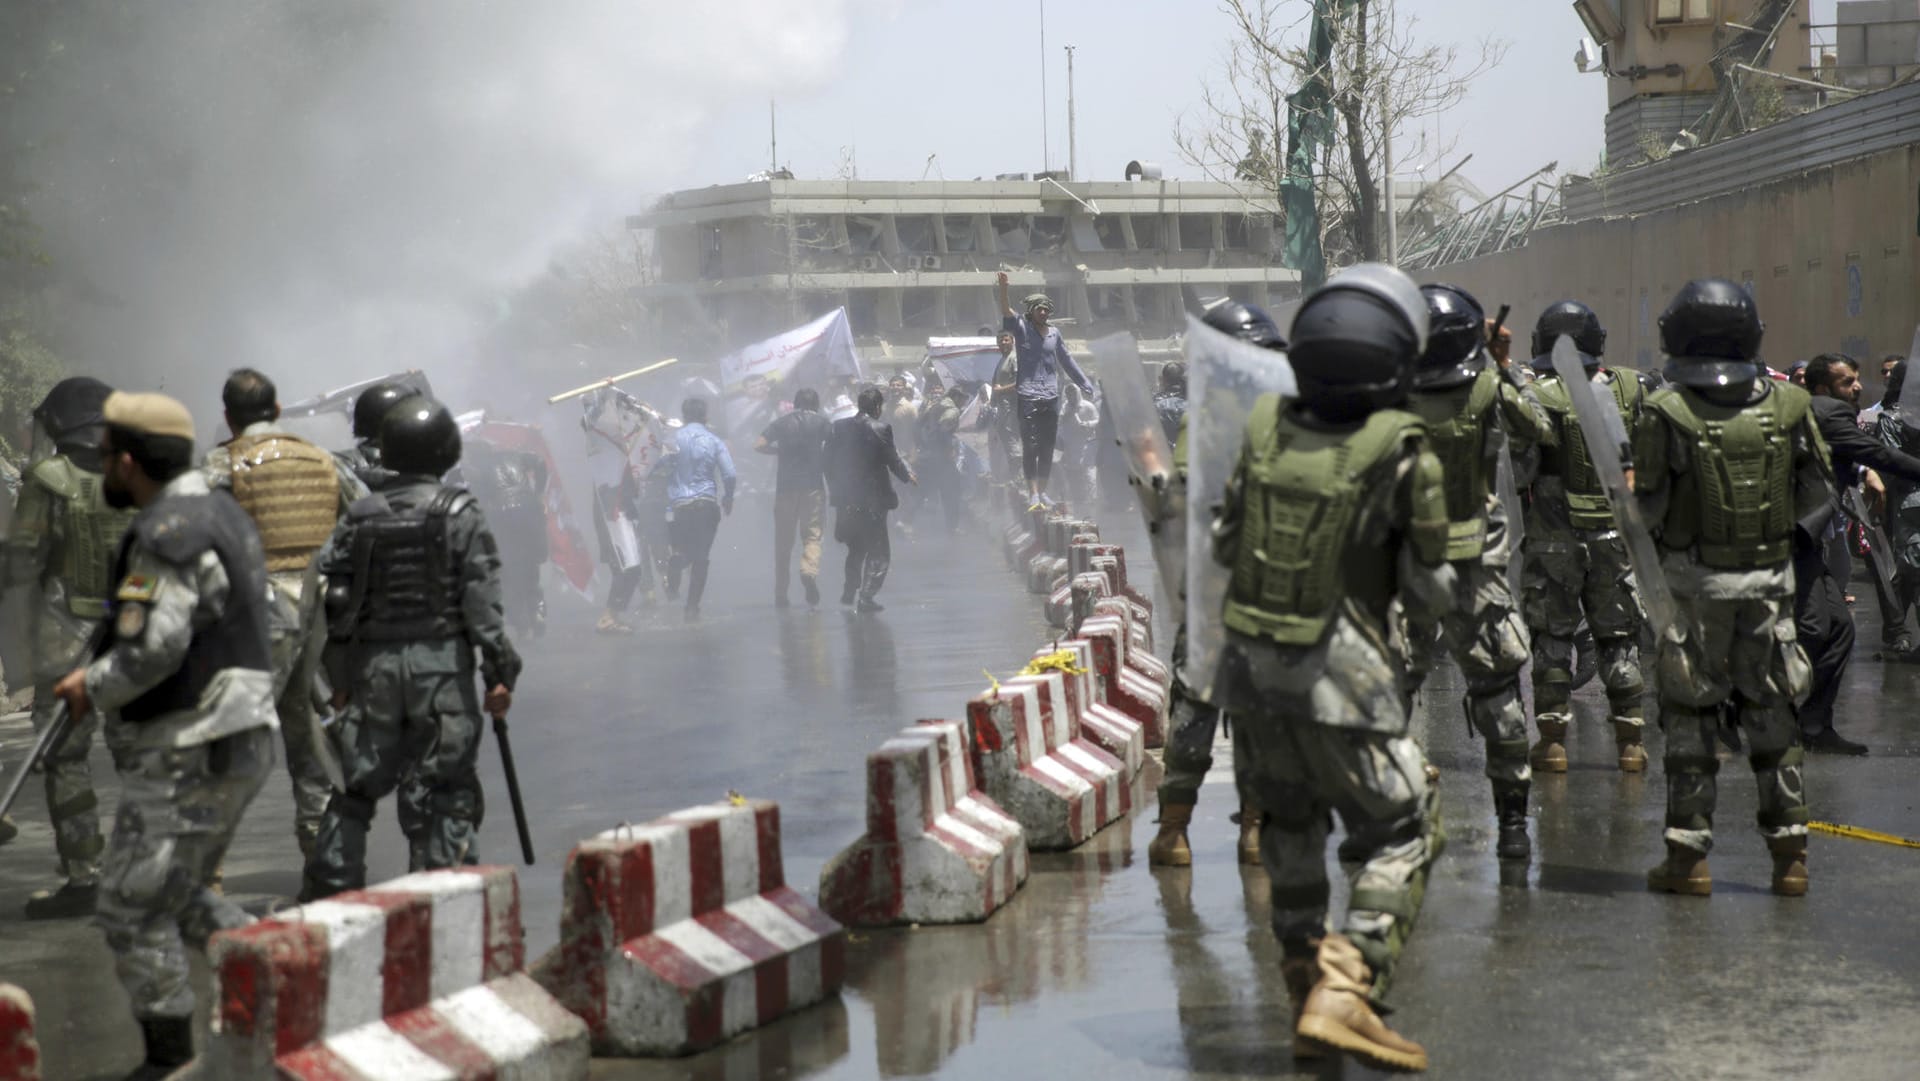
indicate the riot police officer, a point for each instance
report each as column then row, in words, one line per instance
column 1191, row 721
column 61, row 545
column 1734, row 476
column 295, row 493
column 1335, row 510
column 185, row 679
column 1576, row 562
column 413, row 591
column 1471, row 411
column 369, row 409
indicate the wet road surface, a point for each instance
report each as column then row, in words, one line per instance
column 1099, row 968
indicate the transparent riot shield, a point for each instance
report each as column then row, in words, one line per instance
column 1157, row 486
column 1225, row 376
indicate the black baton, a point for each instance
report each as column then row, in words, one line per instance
column 513, row 789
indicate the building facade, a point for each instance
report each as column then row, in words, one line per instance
column 912, row 260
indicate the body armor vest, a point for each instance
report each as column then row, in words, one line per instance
column 1457, row 421
column 1587, row 506
column 179, row 529
column 289, row 488
column 1297, row 557
column 90, row 538
column 1735, row 506
column 405, row 583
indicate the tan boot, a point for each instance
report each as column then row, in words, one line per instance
column 1338, row 1014
column 1789, row 865
column 1633, row 753
column 1300, row 974
column 1249, row 820
column 1683, row 871
column 1169, row 847
column 1550, row 754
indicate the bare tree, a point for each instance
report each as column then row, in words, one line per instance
column 1382, row 79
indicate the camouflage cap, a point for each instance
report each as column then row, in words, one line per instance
column 149, row 414
column 1038, row 300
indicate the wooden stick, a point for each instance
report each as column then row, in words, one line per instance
column 611, row 380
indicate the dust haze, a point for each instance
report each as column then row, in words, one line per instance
column 331, row 191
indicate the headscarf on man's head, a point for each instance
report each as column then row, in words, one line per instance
column 1036, row 301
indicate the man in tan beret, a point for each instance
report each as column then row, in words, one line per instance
column 185, row 680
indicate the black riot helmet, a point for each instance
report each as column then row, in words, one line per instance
column 372, row 405
column 418, row 435
column 1456, row 351
column 1576, row 320
column 1711, row 335
column 1248, row 322
column 73, row 414
column 1173, row 378
column 1355, row 339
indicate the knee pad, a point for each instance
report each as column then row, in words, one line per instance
column 461, row 803
column 1552, row 689
column 1508, row 750
column 1690, row 794
column 349, row 806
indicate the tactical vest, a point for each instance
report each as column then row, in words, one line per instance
column 290, row 489
column 1457, row 435
column 179, row 530
column 405, row 584
column 90, row 538
column 1297, row 556
column 1587, row 506
column 1735, row 506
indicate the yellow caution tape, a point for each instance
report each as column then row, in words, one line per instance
column 1061, row 662
column 1860, row 834
column 995, row 692
column 736, row 798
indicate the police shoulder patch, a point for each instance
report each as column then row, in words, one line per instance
column 129, row 620
column 139, row 588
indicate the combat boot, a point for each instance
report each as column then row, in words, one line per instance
column 169, row 1042
column 70, row 900
column 1550, row 754
column 1299, row 974
column 1683, row 871
column 1338, row 1014
column 1249, row 820
column 1633, row 753
column 1789, row 865
column 1169, row 847
column 8, row 831
column 1510, row 807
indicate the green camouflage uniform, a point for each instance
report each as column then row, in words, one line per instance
column 1484, row 630
column 402, row 645
column 298, row 633
column 186, row 688
column 1323, row 529
column 1191, row 723
column 1576, row 564
column 62, row 544
column 1728, row 558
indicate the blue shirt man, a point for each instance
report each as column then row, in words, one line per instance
column 697, row 501
column 1040, row 358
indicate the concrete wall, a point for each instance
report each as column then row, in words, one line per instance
column 1831, row 254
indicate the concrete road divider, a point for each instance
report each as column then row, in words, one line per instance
column 19, row 1051
column 1122, row 609
column 420, row 977
column 1086, row 590
column 937, row 849
column 1031, row 757
column 1132, row 680
column 682, row 932
column 1104, row 726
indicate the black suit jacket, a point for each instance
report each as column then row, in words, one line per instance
column 1850, row 446
column 860, row 454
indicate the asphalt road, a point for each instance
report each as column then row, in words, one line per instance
column 1565, row 968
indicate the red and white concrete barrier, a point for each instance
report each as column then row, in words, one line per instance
column 1032, row 758
column 1104, row 726
column 19, row 1051
column 420, row 977
column 1133, row 681
column 680, row 933
column 937, row 849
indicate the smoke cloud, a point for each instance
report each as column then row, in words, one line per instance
column 333, row 191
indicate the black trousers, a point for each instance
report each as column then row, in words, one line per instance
column 1039, row 427
column 869, row 551
column 1825, row 627
column 693, row 528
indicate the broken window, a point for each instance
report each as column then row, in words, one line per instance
column 1049, row 232
column 959, row 232
column 1146, row 231
column 1011, row 231
column 1234, row 226
column 915, row 232
column 1196, row 232
column 863, row 234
